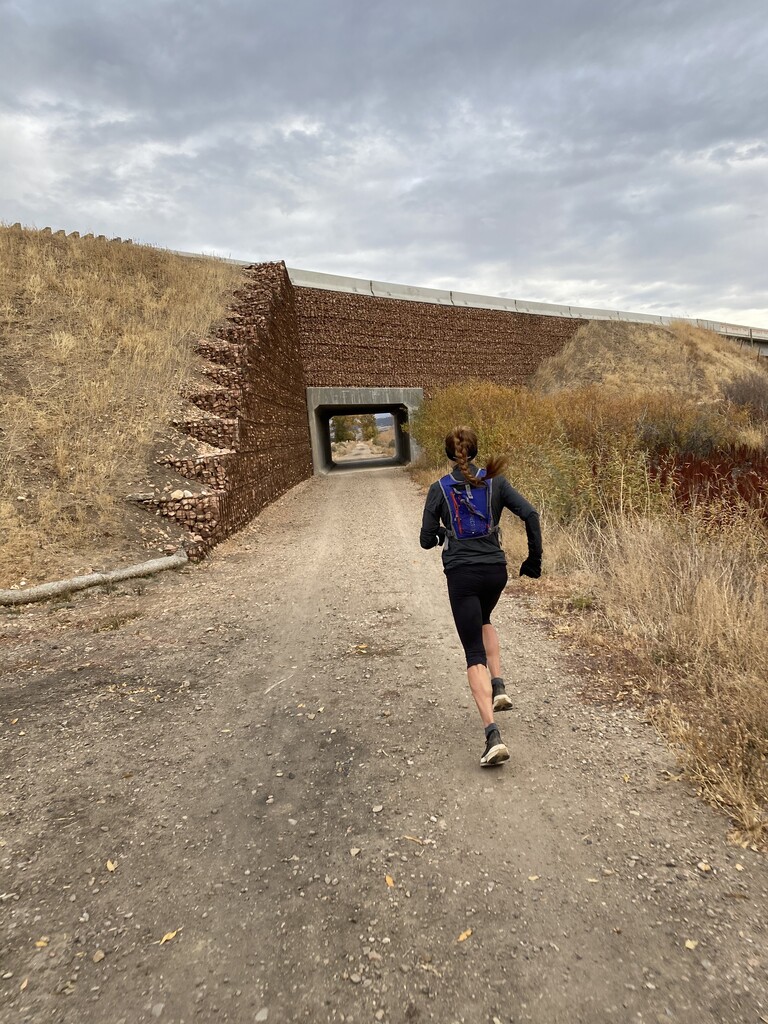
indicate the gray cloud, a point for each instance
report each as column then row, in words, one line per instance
column 602, row 153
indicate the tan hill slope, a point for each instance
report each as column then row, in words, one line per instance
column 631, row 358
column 96, row 341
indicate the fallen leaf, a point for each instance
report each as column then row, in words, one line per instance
column 625, row 777
column 464, row 935
column 111, row 865
column 167, row 937
column 23, row 984
column 691, row 943
column 533, row 878
column 42, row 943
column 389, row 880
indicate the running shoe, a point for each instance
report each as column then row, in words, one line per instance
column 501, row 701
column 495, row 751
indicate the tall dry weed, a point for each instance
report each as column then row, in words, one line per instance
column 96, row 339
column 692, row 597
column 576, row 454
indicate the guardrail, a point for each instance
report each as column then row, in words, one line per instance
column 411, row 293
column 381, row 289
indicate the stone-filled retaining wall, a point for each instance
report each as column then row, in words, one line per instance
column 366, row 341
column 252, row 407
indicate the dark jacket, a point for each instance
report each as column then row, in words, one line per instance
column 478, row 550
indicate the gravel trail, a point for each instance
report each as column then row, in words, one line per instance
column 252, row 792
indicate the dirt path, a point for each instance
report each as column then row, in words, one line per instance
column 362, row 451
column 257, row 744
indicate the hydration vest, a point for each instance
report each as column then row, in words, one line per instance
column 469, row 506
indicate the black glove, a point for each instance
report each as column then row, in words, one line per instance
column 531, row 567
column 441, row 535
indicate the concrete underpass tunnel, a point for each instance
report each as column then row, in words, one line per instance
column 325, row 403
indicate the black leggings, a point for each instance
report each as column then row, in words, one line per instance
column 473, row 591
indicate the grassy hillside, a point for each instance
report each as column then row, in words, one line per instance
column 625, row 358
column 96, row 340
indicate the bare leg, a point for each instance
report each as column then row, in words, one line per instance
column 492, row 652
column 480, row 685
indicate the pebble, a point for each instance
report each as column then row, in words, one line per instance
column 262, row 1014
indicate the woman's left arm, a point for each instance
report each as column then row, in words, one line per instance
column 522, row 508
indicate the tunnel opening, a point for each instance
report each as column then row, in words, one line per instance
column 339, row 419
column 362, row 437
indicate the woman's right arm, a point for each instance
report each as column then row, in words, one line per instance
column 432, row 532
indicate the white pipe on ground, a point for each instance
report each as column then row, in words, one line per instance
column 45, row 591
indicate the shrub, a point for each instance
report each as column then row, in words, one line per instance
column 749, row 391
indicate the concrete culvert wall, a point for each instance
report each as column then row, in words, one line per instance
column 325, row 403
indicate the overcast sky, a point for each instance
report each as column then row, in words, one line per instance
column 591, row 152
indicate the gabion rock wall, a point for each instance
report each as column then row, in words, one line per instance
column 252, row 407
column 366, row 341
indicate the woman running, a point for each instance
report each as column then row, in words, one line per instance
column 466, row 506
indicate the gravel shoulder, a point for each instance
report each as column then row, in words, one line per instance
column 251, row 792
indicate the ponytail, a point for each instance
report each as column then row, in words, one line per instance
column 461, row 446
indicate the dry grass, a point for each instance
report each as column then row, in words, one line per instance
column 96, row 339
column 690, row 597
column 685, row 591
column 625, row 358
